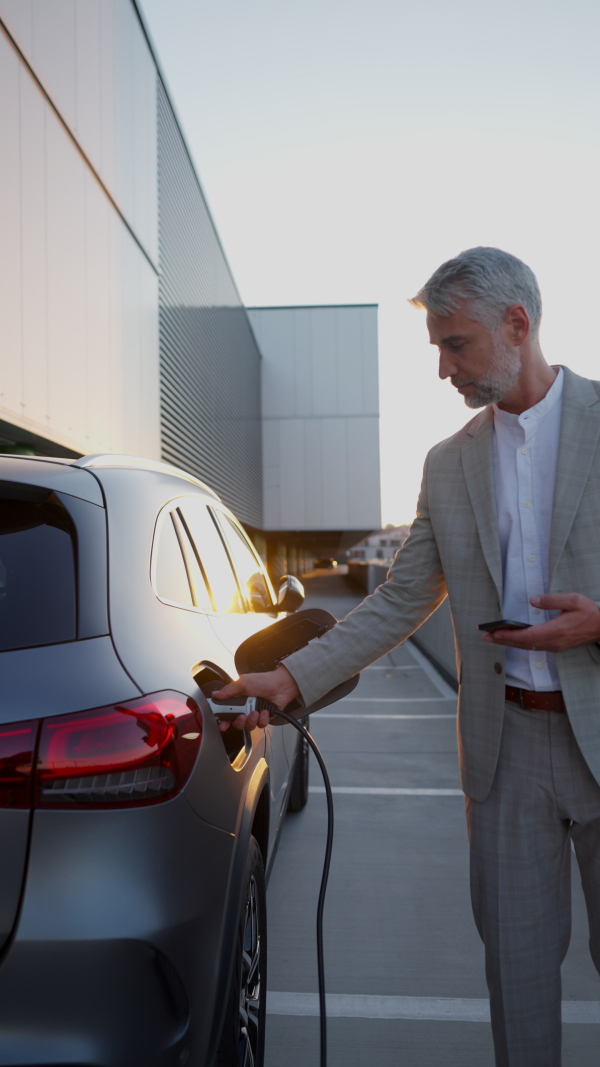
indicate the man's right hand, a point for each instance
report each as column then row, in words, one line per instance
column 277, row 686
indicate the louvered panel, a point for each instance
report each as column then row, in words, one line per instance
column 210, row 364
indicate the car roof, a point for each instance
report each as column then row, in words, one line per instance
column 30, row 469
column 104, row 461
column 99, row 461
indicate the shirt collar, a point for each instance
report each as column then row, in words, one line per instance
column 539, row 410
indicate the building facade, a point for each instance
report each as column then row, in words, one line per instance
column 122, row 327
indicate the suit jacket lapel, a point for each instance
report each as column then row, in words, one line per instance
column 478, row 468
column 579, row 434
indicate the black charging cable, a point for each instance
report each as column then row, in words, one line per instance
column 235, row 708
column 326, row 865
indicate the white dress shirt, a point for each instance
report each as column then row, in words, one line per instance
column 525, row 457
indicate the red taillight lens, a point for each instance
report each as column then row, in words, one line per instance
column 17, row 747
column 140, row 752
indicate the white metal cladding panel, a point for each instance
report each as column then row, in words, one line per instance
column 334, row 499
column 362, row 458
column 318, row 360
column 292, row 482
column 321, row 474
column 321, row 417
column 210, row 364
column 94, row 63
column 323, row 361
column 357, row 361
column 33, row 253
column 10, row 253
column 78, row 299
column 65, row 228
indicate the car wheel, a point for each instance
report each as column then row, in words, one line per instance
column 299, row 791
column 243, row 1038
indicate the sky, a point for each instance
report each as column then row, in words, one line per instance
column 346, row 150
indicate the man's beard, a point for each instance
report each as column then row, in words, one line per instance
column 494, row 386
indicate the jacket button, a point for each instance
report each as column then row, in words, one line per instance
column 498, row 668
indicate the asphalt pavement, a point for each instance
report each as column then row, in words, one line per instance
column 404, row 963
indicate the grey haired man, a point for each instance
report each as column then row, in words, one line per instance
column 507, row 527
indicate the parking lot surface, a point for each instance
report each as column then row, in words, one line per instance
column 404, row 963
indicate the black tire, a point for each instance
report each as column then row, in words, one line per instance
column 299, row 791
column 243, row 1038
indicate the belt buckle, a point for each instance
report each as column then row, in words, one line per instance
column 521, row 701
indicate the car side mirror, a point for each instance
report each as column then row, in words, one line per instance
column 291, row 593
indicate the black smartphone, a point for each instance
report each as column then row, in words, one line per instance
column 503, row 624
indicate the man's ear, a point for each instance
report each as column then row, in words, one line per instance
column 517, row 324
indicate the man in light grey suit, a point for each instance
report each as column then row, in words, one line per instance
column 507, row 526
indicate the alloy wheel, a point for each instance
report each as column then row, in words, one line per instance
column 250, row 985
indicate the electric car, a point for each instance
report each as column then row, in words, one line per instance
column 135, row 836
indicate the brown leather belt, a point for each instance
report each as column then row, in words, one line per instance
column 533, row 701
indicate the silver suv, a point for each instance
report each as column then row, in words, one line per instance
column 135, row 836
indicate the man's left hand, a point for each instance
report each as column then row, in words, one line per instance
column 577, row 624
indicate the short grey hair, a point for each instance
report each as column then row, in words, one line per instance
column 489, row 280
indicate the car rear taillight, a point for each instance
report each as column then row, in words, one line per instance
column 17, row 747
column 140, row 752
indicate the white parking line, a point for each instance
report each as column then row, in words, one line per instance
column 386, row 791
column 352, row 715
column 439, row 1009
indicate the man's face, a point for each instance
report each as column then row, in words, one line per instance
column 482, row 365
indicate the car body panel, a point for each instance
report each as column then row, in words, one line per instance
column 122, row 892
column 56, row 1000
column 14, row 833
column 56, row 679
column 179, row 637
column 121, row 923
column 52, row 474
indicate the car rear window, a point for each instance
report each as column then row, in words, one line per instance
column 37, row 573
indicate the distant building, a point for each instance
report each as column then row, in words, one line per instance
column 382, row 544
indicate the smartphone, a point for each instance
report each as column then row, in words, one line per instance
column 503, row 624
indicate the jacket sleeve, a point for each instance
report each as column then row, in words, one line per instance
column 414, row 588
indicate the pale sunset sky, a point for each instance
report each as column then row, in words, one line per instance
column 347, row 149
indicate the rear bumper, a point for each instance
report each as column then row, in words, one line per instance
column 90, row 1004
column 115, row 958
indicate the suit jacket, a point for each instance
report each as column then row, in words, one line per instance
column 453, row 549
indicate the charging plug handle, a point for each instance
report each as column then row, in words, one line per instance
column 230, row 709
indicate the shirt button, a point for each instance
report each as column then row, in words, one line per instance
column 528, row 503
column 539, row 664
column 532, row 559
column 537, row 611
column 498, row 668
column 523, row 451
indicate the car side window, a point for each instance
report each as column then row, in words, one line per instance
column 170, row 574
column 212, row 556
column 197, row 575
column 250, row 571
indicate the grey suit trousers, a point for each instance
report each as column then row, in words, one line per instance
column 543, row 795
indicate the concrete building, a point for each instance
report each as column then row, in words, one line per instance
column 122, row 327
column 320, row 426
